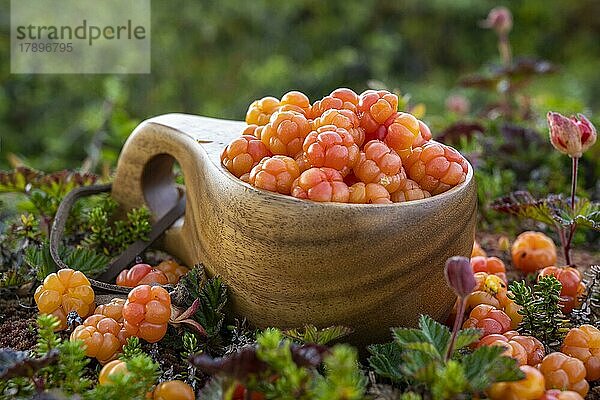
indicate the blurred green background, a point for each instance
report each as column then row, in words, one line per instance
column 214, row 58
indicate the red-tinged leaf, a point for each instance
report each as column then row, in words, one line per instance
column 19, row 363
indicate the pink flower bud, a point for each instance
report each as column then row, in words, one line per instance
column 499, row 19
column 459, row 275
column 572, row 135
column 458, row 104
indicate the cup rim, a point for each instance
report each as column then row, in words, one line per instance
column 296, row 201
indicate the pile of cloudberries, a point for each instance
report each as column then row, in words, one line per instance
column 345, row 148
column 559, row 375
column 105, row 329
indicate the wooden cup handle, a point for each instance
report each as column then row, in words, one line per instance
column 145, row 174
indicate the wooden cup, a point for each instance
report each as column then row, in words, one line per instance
column 289, row 262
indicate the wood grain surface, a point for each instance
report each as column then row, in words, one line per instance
column 288, row 261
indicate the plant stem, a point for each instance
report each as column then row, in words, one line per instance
column 574, row 182
column 504, row 48
column 567, row 244
column 457, row 323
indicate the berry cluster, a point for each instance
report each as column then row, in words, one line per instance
column 102, row 336
column 65, row 291
column 146, row 312
column 167, row 272
column 558, row 375
column 345, row 148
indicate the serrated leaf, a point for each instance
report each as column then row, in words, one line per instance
column 551, row 210
column 421, row 346
column 311, row 334
column 523, row 205
column 385, row 360
column 465, row 337
column 408, row 335
column 419, row 366
column 487, row 365
column 437, row 334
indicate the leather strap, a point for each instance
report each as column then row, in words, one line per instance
column 130, row 253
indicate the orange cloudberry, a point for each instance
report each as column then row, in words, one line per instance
column 141, row 274
column 370, row 193
column 242, row 154
column 295, row 101
column 342, row 119
column 380, row 164
column 65, row 291
column 285, row 133
column 402, row 131
column 491, row 265
column 113, row 309
column 436, row 167
column 339, row 99
column 332, row 147
column 424, row 135
column 409, row 190
column 489, row 319
column 173, row 390
column 260, row 111
column 532, row 251
column 102, row 337
column 321, row 184
column 564, row 372
column 147, row 312
column 374, row 108
column 529, row 388
column 275, row 174
column 172, row 270
column 583, row 343
column 572, row 286
column 556, row 394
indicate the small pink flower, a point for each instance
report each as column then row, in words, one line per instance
column 571, row 136
column 458, row 104
column 499, row 19
column 459, row 275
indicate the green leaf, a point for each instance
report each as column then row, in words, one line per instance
column 487, row 365
column 551, row 210
column 18, row 179
column 449, row 382
column 311, row 334
column 87, row 261
column 385, row 360
column 465, row 337
column 420, row 366
column 587, row 214
column 425, row 347
column 437, row 334
column 80, row 259
column 523, row 205
column 213, row 298
column 408, row 335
